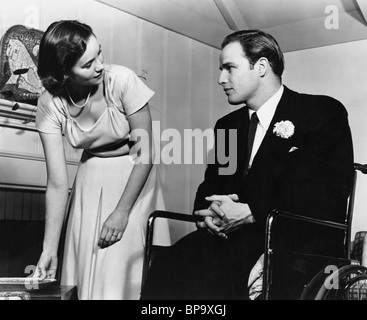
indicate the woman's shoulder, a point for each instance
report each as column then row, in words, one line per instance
column 114, row 70
column 49, row 102
column 45, row 98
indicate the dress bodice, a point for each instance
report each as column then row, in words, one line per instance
column 125, row 94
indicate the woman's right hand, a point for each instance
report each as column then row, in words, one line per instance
column 46, row 267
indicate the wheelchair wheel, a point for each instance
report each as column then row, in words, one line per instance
column 311, row 289
column 347, row 283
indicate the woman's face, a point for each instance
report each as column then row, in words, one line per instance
column 88, row 70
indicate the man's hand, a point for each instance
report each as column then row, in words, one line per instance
column 224, row 215
column 211, row 221
column 232, row 214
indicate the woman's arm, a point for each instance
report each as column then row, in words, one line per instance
column 56, row 200
column 116, row 223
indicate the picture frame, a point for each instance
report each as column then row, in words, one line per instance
column 20, row 86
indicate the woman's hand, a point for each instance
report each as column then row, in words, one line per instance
column 113, row 229
column 46, row 267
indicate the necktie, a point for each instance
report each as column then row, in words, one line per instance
column 251, row 137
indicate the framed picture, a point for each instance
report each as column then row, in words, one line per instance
column 19, row 81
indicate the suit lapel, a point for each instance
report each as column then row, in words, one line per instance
column 242, row 127
column 272, row 144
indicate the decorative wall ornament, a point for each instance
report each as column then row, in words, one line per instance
column 19, row 81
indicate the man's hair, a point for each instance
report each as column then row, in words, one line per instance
column 62, row 45
column 257, row 44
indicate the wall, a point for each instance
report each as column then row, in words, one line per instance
column 339, row 71
column 182, row 72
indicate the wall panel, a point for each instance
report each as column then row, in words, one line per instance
column 151, row 63
column 177, row 119
column 201, row 106
column 52, row 11
column 125, row 39
column 181, row 71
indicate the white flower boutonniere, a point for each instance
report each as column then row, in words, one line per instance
column 284, row 129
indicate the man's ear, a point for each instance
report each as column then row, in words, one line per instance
column 262, row 66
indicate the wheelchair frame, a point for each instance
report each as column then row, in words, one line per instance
column 269, row 245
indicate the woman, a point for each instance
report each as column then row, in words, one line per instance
column 97, row 108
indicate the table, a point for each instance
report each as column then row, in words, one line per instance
column 53, row 292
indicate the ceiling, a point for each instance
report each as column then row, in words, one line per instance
column 296, row 24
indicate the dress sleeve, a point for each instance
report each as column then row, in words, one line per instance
column 133, row 93
column 46, row 116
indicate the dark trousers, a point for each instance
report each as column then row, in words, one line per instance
column 205, row 267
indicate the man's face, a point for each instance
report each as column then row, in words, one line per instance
column 238, row 78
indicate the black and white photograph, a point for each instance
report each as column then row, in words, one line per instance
column 183, row 154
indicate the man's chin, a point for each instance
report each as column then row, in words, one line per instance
column 234, row 102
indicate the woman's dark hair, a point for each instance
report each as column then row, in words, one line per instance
column 62, row 45
column 257, row 44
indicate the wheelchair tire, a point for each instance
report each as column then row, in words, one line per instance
column 347, row 283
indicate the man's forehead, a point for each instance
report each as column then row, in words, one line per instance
column 232, row 52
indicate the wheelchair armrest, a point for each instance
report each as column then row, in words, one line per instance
column 172, row 215
column 167, row 215
column 150, row 233
column 288, row 215
column 275, row 214
column 361, row 167
column 269, row 242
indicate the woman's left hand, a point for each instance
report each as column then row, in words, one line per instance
column 113, row 229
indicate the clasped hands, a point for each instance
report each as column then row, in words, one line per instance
column 224, row 215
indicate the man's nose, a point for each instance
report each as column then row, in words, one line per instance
column 222, row 78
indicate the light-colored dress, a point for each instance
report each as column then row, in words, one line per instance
column 114, row 273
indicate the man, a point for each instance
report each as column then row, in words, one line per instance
column 301, row 161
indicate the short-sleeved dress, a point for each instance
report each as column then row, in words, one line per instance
column 114, row 273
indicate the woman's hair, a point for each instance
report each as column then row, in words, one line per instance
column 257, row 44
column 62, row 45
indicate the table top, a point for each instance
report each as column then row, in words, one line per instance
column 51, row 292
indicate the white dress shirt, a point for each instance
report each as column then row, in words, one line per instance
column 265, row 114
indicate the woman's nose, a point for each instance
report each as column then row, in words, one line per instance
column 99, row 65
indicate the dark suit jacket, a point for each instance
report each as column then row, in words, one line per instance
column 314, row 180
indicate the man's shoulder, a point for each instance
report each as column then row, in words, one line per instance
column 233, row 118
column 316, row 102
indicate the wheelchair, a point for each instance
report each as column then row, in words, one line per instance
column 321, row 276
